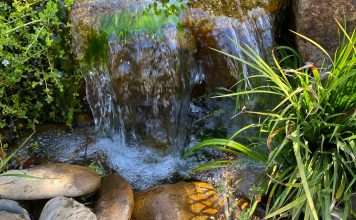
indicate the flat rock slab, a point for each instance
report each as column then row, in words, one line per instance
column 116, row 199
column 62, row 208
column 48, row 181
column 181, row 201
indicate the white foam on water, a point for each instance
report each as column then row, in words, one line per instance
column 141, row 166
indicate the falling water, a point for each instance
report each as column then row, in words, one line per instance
column 229, row 35
column 143, row 101
column 150, row 77
column 103, row 104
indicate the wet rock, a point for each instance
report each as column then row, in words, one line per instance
column 83, row 120
column 226, row 28
column 151, row 75
column 315, row 19
column 151, row 80
column 12, row 210
column 48, row 181
column 58, row 144
column 150, row 72
column 232, row 8
column 181, row 201
column 241, row 178
column 61, row 208
column 116, row 199
column 86, row 15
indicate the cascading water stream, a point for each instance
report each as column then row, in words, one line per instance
column 103, row 103
column 142, row 100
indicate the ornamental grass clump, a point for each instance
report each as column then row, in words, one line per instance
column 311, row 133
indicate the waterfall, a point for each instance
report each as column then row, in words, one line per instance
column 143, row 97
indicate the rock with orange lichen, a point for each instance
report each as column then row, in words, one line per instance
column 181, row 201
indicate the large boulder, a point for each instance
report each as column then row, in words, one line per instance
column 116, row 199
column 149, row 72
column 151, row 80
column 149, row 77
column 226, row 26
column 61, row 208
column 227, row 32
column 316, row 20
column 181, row 201
column 48, row 181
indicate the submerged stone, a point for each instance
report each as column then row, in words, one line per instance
column 48, row 181
column 59, row 144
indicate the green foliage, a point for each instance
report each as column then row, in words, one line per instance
column 38, row 81
column 97, row 167
column 5, row 159
column 125, row 24
column 229, row 146
column 311, row 133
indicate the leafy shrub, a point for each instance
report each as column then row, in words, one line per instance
column 38, row 80
column 311, row 165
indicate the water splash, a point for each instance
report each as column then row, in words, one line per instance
column 141, row 166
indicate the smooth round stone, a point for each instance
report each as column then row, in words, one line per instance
column 180, row 201
column 48, row 181
column 12, row 210
column 61, row 208
column 116, row 199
